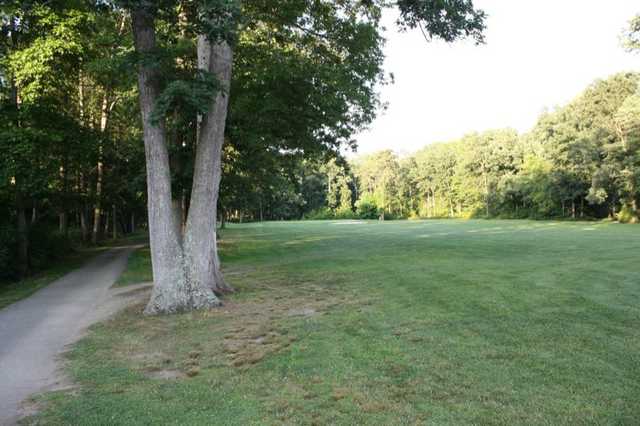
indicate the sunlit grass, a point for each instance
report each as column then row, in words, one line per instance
column 420, row 322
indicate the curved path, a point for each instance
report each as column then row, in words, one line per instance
column 34, row 331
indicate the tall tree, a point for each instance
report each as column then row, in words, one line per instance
column 186, row 271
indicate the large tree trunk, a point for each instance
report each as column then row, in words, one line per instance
column 200, row 240
column 172, row 290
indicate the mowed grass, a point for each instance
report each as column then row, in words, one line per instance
column 138, row 269
column 413, row 322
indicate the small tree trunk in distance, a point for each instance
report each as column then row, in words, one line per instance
column 63, row 207
column 115, row 223
column 106, row 224
column 62, row 223
column 133, row 222
column 23, row 237
column 434, row 200
column 97, row 210
column 104, row 120
column 172, row 290
column 84, row 230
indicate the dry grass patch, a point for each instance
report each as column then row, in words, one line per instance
column 260, row 325
column 246, row 330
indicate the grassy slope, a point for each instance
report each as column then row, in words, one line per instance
column 439, row 322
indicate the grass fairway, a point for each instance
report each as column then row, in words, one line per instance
column 413, row 322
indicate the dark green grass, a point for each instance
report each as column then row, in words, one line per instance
column 138, row 269
column 425, row 322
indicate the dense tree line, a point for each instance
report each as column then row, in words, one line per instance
column 580, row 160
column 71, row 164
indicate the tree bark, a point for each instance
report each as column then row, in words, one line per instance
column 62, row 223
column 173, row 291
column 84, row 230
column 97, row 211
column 200, row 240
column 115, row 223
column 106, row 224
column 63, row 217
column 23, row 226
column 23, row 237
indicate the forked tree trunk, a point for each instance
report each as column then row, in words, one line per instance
column 200, row 240
column 173, row 291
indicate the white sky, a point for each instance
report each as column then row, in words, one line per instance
column 539, row 53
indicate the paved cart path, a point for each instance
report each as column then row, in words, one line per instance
column 36, row 330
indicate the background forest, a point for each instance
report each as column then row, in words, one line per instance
column 73, row 168
column 579, row 161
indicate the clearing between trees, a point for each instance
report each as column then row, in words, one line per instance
column 444, row 322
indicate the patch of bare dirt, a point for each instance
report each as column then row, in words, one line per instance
column 166, row 374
